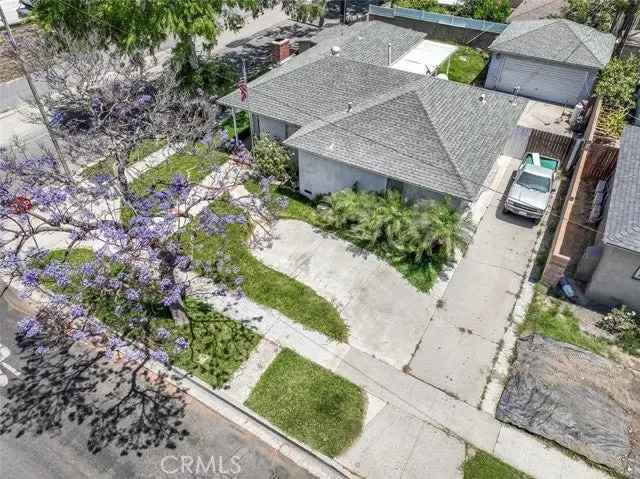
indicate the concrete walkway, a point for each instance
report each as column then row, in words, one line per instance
column 386, row 315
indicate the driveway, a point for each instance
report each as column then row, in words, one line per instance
column 385, row 314
column 457, row 350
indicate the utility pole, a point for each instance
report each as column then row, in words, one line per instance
column 34, row 92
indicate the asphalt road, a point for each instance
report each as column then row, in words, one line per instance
column 60, row 418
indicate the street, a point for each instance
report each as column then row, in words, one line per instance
column 53, row 407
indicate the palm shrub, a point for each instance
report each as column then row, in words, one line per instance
column 389, row 226
column 618, row 81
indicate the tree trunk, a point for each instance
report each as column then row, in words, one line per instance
column 167, row 270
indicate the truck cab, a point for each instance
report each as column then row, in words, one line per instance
column 530, row 192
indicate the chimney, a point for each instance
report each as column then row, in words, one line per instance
column 280, row 50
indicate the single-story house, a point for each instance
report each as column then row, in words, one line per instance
column 553, row 60
column 616, row 278
column 351, row 118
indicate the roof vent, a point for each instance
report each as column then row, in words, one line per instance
column 349, row 106
column 483, row 98
column 335, row 51
column 388, row 53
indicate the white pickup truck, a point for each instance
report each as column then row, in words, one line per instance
column 532, row 185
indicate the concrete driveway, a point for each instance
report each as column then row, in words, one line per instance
column 385, row 314
column 457, row 351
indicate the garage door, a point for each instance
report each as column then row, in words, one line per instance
column 554, row 83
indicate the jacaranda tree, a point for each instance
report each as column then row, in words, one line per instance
column 68, row 239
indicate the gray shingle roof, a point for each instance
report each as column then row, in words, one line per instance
column 318, row 89
column 623, row 214
column 556, row 40
column 431, row 133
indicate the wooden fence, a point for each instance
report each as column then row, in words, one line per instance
column 601, row 161
column 550, row 144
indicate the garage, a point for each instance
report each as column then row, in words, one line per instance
column 545, row 81
column 550, row 60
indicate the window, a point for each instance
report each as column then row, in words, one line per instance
column 534, row 182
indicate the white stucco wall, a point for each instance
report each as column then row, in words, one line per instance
column 319, row 176
column 612, row 282
column 274, row 128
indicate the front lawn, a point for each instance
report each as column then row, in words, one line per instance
column 298, row 207
column 195, row 164
column 261, row 283
column 466, row 65
column 106, row 166
column 310, row 403
column 242, row 123
column 546, row 316
column 217, row 345
column 484, row 466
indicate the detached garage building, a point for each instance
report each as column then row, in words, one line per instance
column 551, row 60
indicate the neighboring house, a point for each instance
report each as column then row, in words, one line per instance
column 616, row 278
column 355, row 119
column 551, row 60
column 538, row 10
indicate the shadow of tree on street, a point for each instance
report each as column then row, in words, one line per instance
column 122, row 406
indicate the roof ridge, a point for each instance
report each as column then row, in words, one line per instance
column 372, row 101
column 444, row 146
column 573, row 26
column 544, row 23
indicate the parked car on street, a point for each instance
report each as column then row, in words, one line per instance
column 530, row 192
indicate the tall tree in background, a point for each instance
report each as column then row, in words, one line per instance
column 142, row 26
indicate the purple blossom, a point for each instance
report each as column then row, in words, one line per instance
column 181, row 343
column 77, row 311
column 174, row 296
column 133, row 354
column 162, row 334
column 30, row 278
column 48, row 197
column 183, row 262
column 179, row 187
column 58, row 272
column 160, row 356
column 79, row 335
column 132, row 294
column 29, row 327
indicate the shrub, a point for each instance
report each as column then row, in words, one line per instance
column 619, row 320
column 599, row 14
column 387, row 225
column 490, row 10
column 272, row 159
column 617, row 82
column 612, row 122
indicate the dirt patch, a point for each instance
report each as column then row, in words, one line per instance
column 582, row 401
column 9, row 67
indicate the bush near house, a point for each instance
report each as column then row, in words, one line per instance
column 272, row 159
column 310, row 403
column 426, row 5
column 616, row 86
column 418, row 240
column 624, row 324
column 599, row 14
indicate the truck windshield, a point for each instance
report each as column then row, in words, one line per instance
column 533, row 182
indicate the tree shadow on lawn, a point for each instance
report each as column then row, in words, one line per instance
column 117, row 405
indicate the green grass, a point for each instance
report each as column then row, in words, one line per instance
column 546, row 316
column 242, row 123
column 465, row 65
column 485, row 466
column 310, row 403
column 106, row 166
column 263, row 284
column 217, row 345
column 298, row 207
column 195, row 165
